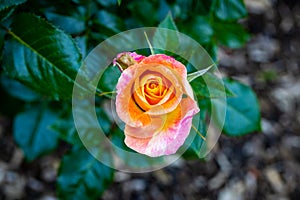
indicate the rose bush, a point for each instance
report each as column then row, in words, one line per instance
column 156, row 102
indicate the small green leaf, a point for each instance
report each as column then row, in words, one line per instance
column 194, row 75
column 210, row 86
column 166, row 40
column 168, row 23
column 229, row 10
column 32, row 131
column 242, row 111
column 232, row 35
column 119, row 2
column 81, row 176
column 43, row 58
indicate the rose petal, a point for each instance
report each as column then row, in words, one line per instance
column 170, row 137
column 166, row 61
column 128, row 111
column 147, row 131
column 170, row 100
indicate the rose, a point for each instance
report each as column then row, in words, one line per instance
column 156, row 103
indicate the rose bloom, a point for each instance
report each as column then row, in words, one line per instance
column 156, row 102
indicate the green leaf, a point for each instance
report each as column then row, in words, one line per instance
column 82, row 42
column 188, row 7
column 166, row 40
column 242, row 111
column 144, row 11
column 109, row 21
column 232, row 35
column 119, row 2
column 43, row 58
column 32, row 131
column 81, row 176
column 4, row 4
column 104, row 120
column 212, row 50
column 72, row 23
column 109, row 80
column 194, row 150
column 194, row 75
column 199, row 28
column 229, row 10
column 65, row 127
column 18, row 90
column 168, row 23
column 210, row 86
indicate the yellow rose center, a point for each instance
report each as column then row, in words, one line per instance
column 154, row 90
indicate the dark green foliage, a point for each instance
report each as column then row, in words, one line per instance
column 229, row 10
column 242, row 111
column 81, row 176
column 42, row 57
column 42, row 44
column 32, row 131
column 210, row 86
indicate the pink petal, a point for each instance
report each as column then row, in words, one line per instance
column 168, row 140
column 167, row 61
column 126, row 108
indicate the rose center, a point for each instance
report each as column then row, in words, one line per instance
column 154, row 90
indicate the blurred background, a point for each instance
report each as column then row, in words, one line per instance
column 264, row 165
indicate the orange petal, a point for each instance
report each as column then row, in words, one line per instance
column 169, row 137
column 127, row 109
column 167, row 61
column 147, row 131
column 171, row 99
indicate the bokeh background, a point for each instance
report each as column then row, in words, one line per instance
column 263, row 165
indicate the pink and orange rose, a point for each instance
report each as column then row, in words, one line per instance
column 156, row 102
